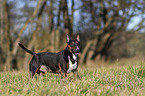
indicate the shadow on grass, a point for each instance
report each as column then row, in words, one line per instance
column 141, row 73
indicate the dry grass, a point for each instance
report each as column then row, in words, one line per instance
column 120, row 81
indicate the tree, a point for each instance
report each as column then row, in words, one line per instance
column 11, row 52
column 110, row 20
column 102, row 25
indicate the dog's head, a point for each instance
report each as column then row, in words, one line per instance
column 73, row 45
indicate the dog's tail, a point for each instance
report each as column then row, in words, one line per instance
column 29, row 51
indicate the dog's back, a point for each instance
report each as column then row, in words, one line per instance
column 50, row 60
column 55, row 62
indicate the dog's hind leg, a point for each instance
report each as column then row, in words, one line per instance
column 37, row 70
column 63, row 74
column 33, row 74
column 34, row 66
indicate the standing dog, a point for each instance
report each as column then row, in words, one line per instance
column 62, row 62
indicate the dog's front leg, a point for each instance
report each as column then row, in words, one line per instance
column 75, row 72
column 63, row 74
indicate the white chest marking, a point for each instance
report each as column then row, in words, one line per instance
column 72, row 66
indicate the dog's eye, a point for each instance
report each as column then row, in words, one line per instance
column 71, row 45
column 78, row 44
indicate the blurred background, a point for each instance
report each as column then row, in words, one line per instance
column 109, row 29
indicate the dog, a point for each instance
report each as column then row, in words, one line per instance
column 63, row 62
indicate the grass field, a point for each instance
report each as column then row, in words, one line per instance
column 104, row 81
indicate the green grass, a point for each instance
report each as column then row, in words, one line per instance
column 123, row 81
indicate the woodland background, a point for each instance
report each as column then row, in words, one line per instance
column 109, row 29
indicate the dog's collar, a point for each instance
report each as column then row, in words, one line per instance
column 72, row 64
column 74, row 58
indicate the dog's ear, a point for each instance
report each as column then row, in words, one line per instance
column 67, row 38
column 78, row 37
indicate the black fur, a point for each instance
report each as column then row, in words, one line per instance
column 55, row 62
column 29, row 51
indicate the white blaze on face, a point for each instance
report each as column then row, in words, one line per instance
column 72, row 66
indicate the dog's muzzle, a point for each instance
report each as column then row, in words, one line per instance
column 77, row 49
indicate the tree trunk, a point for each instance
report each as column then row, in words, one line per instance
column 57, row 33
column 2, row 57
column 38, row 26
column 33, row 41
column 67, row 21
column 13, row 51
column 85, row 51
column 72, row 15
column 51, row 24
column 39, row 5
column 7, row 36
column 1, row 23
column 103, row 34
column 27, row 55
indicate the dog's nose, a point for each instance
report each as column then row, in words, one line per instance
column 77, row 49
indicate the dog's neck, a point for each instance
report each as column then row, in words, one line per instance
column 72, row 62
column 74, row 58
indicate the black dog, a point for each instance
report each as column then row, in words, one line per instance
column 62, row 62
